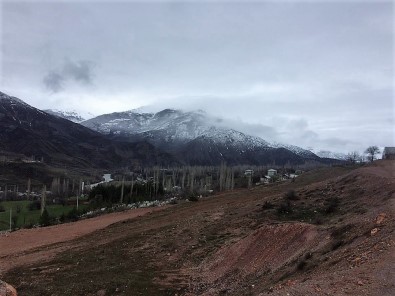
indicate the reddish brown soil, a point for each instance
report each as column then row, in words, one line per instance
column 234, row 244
column 30, row 245
column 263, row 251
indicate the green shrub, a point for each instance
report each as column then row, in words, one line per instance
column 302, row 264
column 284, row 208
column 73, row 215
column 337, row 244
column 45, row 219
column 267, row 205
column 291, row 195
column 332, row 206
column 34, row 205
column 14, row 220
column 193, row 197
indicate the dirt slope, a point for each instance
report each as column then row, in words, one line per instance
column 23, row 246
column 335, row 236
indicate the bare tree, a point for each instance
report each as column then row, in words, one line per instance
column 43, row 198
column 122, row 189
column 371, row 152
column 29, row 182
column 353, row 157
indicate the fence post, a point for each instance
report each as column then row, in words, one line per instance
column 10, row 219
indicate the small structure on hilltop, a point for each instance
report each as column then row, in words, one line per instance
column 264, row 180
column 248, row 172
column 271, row 172
column 389, row 153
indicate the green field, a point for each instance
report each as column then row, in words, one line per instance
column 25, row 217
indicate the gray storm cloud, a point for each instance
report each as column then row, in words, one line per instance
column 71, row 71
column 282, row 70
column 53, row 81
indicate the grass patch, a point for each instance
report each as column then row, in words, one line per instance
column 24, row 218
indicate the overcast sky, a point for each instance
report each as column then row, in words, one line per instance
column 317, row 75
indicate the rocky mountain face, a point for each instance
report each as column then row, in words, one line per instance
column 32, row 132
column 330, row 154
column 197, row 139
column 73, row 116
column 121, row 138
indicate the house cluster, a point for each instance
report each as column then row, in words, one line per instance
column 389, row 153
column 12, row 192
column 20, row 158
column 273, row 176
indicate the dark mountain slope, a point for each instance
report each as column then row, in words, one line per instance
column 196, row 138
column 203, row 150
column 25, row 129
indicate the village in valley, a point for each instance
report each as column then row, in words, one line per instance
column 64, row 197
column 69, row 199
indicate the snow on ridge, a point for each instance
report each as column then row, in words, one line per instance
column 71, row 115
column 14, row 101
column 11, row 99
column 330, row 154
column 173, row 124
column 295, row 149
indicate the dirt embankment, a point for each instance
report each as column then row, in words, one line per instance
column 269, row 247
column 360, row 259
column 262, row 252
column 334, row 237
column 30, row 245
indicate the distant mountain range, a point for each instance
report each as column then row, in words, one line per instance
column 195, row 138
column 168, row 137
column 32, row 132
column 329, row 154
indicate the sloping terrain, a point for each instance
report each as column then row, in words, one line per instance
column 60, row 142
column 332, row 235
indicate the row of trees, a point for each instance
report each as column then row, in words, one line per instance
column 356, row 157
column 60, row 187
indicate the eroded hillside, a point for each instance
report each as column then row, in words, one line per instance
column 331, row 232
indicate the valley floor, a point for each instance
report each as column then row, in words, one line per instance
column 335, row 236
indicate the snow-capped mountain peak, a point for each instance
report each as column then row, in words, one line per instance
column 171, row 128
column 71, row 115
column 330, row 154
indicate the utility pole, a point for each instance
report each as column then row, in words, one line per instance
column 29, row 182
column 80, row 190
column 10, row 219
column 122, row 188
column 43, row 199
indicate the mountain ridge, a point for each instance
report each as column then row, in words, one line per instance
column 33, row 132
column 176, row 131
column 170, row 135
column 71, row 115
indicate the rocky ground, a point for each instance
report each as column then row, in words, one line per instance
column 332, row 235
